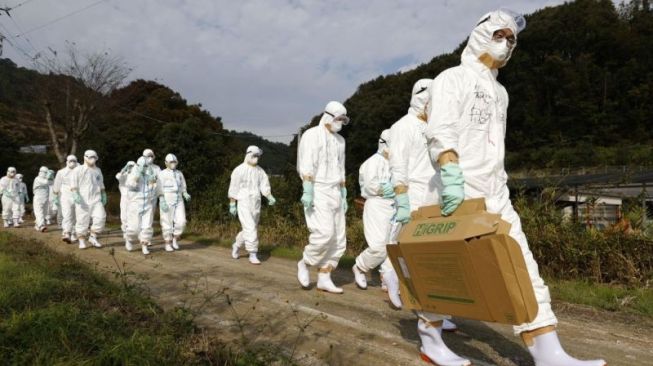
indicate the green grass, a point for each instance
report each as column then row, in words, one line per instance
column 55, row 310
column 602, row 296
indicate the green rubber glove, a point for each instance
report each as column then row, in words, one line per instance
column 57, row 200
column 271, row 200
column 343, row 195
column 453, row 193
column 163, row 204
column 307, row 196
column 77, row 198
column 388, row 190
column 103, row 198
column 233, row 209
column 186, row 196
column 403, row 208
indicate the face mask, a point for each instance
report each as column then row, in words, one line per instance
column 11, row 175
column 172, row 166
column 252, row 160
column 90, row 161
column 499, row 50
column 72, row 164
column 336, row 126
column 43, row 174
column 149, row 160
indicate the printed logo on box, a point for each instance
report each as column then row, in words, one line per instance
column 441, row 228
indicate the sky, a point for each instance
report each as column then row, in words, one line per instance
column 264, row 66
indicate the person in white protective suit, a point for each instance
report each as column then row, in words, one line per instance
column 321, row 166
column 41, row 194
column 24, row 197
column 172, row 194
column 149, row 156
column 9, row 187
column 87, row 186
column 376, row 187
column 248, row 183
column 416, row 182
column 142, row 182
column 63, row 199
column 121, row 177
column 466, row 131
column 54, row 213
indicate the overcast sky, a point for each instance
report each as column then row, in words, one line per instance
column 264, row 66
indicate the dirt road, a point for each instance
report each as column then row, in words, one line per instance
column 356, row 328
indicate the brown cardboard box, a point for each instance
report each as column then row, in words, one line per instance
column 464, row 265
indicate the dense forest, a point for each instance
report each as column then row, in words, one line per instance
column 580, row 85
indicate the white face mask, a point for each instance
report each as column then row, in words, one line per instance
column 43, row 174
column 90, row 161
column 72, row 164
column 499, row 50
column 253, row 160
column 172, row 165
column 149, row 160
column 336, row 126
column 11, row 174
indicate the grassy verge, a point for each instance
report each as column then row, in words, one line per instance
column 55, row 310
column 608, row 297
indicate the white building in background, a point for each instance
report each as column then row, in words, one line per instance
column 594, row 211
column 33, row 149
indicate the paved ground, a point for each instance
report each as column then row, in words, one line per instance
column 356, row 328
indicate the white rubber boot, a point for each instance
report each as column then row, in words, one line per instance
column 253, row 259
column 82, row 243
column 392, row 281
column 7, row 224
column 65, row 237
column 433, row 349
column 93, row 240
column 544, row 346
column 73, row 238
column 37, row 228
column 144, row 248
column 175, row 246
column 48, row 222
column 359, row 277
column 449, row 326
column 169, row 247
column 303, row 275
column 234, row 251
column 128, row 245
column 324, row 282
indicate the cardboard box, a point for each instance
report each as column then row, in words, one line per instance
column 464, row 265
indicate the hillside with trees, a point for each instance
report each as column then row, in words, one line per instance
column 580, row 85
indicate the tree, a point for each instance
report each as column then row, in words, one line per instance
column 75, row 93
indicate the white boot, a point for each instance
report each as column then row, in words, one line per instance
column 82, row 243
column 384, row 286
column 253, row 259
column 544, row 346
column 324, row 282
column 73, row 238
column 48, row 222
column 392, row 281
column 169, row 247
column 433, row 349
column 175, row 246
column 234, row 250
column 65, row 237
column 303, row 275
column 128, row 245
column 93, row 240
column 144, row 248
column 359, row 277
column 449, row 326
column 7, row 224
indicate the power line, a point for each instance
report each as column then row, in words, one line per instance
column 60, row 18
column 20, row 30
column 19, row 5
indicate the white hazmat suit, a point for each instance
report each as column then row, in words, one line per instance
column 64, row 198
column 172, row 191
column 248, row 182
column 87, row 185
column 121, row 176
column 321, row 166
column 142, row 183
column 24, row 197
column 373, row 176
column 41, row 194
column 9, row 189
column 468, row 118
